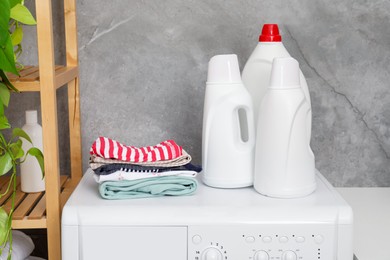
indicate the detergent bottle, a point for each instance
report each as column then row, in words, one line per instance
column 284, row 161
column 257, row 70
column 228, row 126
column 31, row 178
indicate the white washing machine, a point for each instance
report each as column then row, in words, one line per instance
column 212, row 224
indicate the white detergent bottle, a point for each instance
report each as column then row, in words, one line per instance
column 30, row 173
column 284, row 161
column 257, row 70
column 228, row 126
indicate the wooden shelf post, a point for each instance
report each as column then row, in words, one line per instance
column 73, row 89
column 49, row 125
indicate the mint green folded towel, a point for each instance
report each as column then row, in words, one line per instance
column 149, row 187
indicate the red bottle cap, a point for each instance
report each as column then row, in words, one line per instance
column 270, row 33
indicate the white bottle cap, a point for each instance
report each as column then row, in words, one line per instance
column 224, row 69
column 31, row 117
column 284, row 73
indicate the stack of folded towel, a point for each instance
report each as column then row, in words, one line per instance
column 125, row 172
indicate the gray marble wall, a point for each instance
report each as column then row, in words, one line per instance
column 144, row 63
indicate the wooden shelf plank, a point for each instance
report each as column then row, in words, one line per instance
column 39, row 210
column 63, row 180
column 4, row 188
column 27, row 71
column 29, row 79
column 68, row 188
column 65, row 75
column 3, row 181
column 30, row 208
column 24, row 72
column 29, row 224
column 27, row 86
column 65, row 196
column 27, row 205
column 19, row 196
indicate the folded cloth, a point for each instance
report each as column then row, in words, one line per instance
column 121, row 175
column 22, row 246
column 131, row 168
column 96, row 161
column 110, row 149
column 150, row 187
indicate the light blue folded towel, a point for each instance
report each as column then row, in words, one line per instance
column 149, row 187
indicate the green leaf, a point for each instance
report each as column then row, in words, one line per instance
column 3, row 142
column 4, row 14
column 18, row 132
column 21, row 14
column 39, row 156
column 1, row 108
column 7, row 60
column 4, row 123
column 7, row 82
column 12, row 3
column 3, row 226
column 17, row 36
column 4, row 94
column 16, row 149
column 5, row 163
column 5, row 36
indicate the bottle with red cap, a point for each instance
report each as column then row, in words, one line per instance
column 257, row 70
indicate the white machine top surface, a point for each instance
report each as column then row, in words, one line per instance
column 211, row 205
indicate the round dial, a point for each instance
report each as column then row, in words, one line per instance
column 212, row 253
column 261, row 255
column 289, row 255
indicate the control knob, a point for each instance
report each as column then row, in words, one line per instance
column 261, row 255
column 289, row 255
column 212, row 253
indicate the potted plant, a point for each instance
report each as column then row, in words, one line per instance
column 13, row 14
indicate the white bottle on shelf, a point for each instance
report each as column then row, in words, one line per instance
column 30, row 172
column 228, row 126
column 257, row 70
column 284, row 161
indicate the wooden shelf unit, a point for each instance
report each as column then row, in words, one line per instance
column 43, row 210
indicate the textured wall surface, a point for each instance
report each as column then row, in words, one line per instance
column 144, row 63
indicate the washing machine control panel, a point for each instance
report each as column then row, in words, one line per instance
column 261, row 242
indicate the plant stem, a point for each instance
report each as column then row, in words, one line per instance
column 9, row 185
column 11, row 212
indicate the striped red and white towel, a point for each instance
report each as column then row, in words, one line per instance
column 110, row 149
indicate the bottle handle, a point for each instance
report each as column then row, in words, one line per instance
column 245, row 124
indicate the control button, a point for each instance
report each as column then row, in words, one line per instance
column 300, row 239
column 289, row 255
column 267, row 239
column 212, row 253
column 261, row 255
column 283, row 239
column 318, row 239
column 250, row 239
column 196, row 239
